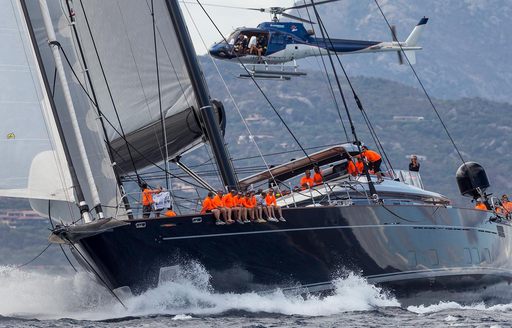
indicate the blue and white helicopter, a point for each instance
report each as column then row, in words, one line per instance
column 266, row 49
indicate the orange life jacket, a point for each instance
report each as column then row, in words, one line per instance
column 481, row 206
column 170, row 213
column 371, row 155
column 318, row 178
column 208, row 205
column 306, row 181
column 229, row 201
column 270, row 200
column 147, row 197
column 217, row 201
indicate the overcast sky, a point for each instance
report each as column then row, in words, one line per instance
column 227, row 19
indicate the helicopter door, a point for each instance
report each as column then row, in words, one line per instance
column 276, row 43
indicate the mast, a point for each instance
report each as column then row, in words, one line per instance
column 84, row 208
column 199, row 85
column 52, row 40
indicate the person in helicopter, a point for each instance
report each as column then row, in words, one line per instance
column 262, row 44
column 241, row 44
column 253, row 46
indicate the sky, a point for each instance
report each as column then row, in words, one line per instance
column 227, row 19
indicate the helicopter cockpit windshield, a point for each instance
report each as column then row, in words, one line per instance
column 242, row 42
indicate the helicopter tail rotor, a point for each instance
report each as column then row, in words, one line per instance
column 395, row 39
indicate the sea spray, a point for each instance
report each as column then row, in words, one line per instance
column 30, row 294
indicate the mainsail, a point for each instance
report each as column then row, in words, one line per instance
column 33, row 163
column 118, row 39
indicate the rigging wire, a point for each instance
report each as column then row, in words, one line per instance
column 255, row 83
column 422, row 86
column 359, row 104
column 53, row 228
column 331, row 87
column 35, row 258
column 162, row 118
column 108, row 89
column 251, row 136
column 144, row 157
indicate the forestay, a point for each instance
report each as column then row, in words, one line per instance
column 32, row 163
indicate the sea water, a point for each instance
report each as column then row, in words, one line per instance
column 31, row 298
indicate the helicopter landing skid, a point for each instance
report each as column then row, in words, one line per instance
column 271, row 71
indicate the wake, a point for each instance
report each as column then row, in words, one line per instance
column 31, row 294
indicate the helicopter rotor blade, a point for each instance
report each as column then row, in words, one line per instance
column 395, row 38
column 297, row 18
column 222, row 6
column 310, row 4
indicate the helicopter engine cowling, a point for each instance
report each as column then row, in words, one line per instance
column 472, row 180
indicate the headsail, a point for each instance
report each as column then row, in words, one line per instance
column 33, row 164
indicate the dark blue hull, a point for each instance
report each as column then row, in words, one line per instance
column 423, row 254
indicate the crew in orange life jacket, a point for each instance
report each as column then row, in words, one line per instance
column 357, row 168
column 480, row 205
column 374, row 161
column 307, row 181
column 147, row 199
column 209, row 207
column 507, row 205
column 318, row 178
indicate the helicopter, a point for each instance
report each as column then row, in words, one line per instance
column 264, row 50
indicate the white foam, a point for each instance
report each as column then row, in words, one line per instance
column 31, row 294
column 444, row 306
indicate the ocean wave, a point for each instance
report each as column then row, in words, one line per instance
column 28, row 293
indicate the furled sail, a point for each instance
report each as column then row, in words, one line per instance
column 119, row 46
column 32, row 162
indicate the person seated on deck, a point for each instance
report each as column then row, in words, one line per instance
column 357, row 168
column 271, row 202
column 262, row 205
column 374, row 160
column 228, row 200
column 480, row 205
column 249, row 207
column 209, row 207
column 318, row 177
column 307, row 181
column 258, row 210
column 242, row 212
column 147, row 199
column 170, row 213
column 217, row 201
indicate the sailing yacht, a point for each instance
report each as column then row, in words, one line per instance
column 94, row 91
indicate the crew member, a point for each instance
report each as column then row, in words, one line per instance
column 318, row 177
column 355, row 169
column 374, row 161
column 249, row 207
column 414, row 165
column 480, row 205
column 217, row 201
column 170, row 213
column 209, row 207
column 262, row 205
column 507, row 205
column 147, row 199
column 230, row 204
column 271, row 202
column 307, row 181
